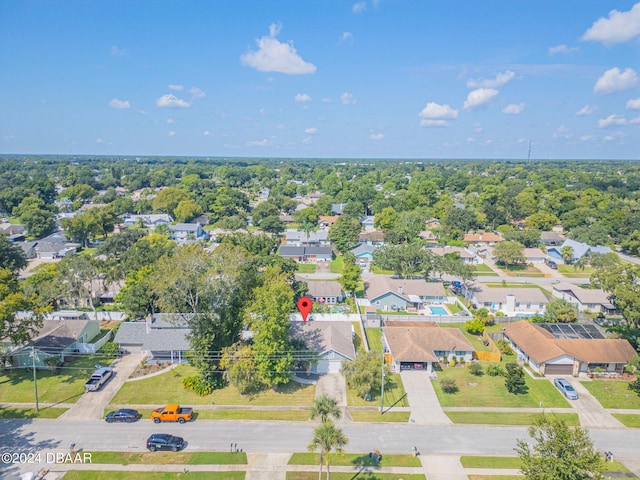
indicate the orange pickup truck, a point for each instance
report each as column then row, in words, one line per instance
column 172, row 413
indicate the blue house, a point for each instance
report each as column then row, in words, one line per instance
column 579, row 250
column 364, row 251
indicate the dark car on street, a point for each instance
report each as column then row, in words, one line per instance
column 164, row 441
column 123, row 415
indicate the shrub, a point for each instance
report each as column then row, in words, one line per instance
column 476, row 369
column 635, row 386
column 475, row 326
column 504, row 347
column 452, row 362
column 448, row 385
column 197, row 385
column 110, row 349
column 495, row 370
column 514, row 379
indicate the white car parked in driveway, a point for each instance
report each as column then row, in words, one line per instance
column 566, row 388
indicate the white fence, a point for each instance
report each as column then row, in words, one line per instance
column 94, row 347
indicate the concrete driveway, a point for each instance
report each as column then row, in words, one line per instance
column 91, row 405
column 589, row 410
column 425, row 407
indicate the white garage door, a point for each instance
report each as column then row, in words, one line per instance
column 328, row 366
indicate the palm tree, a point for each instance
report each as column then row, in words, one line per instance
column 327, row 437
column 324, row 407
column 567, row 253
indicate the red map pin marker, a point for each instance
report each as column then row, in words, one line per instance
column 305, row 304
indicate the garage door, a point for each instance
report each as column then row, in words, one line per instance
column 550, row 369
column 328, row 366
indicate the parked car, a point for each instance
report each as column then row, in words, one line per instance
column 164, row 441
column 172, row 413
column 566, row 388
column 98, row 379
column 127, row 415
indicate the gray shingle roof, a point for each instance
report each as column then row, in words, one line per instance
column 323, row 337
column 155, row 339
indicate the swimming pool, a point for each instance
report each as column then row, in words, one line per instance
column 438, row 310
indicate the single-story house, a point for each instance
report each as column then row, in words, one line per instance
column 160, row 336
column 372, row 238
column 512, row 302
column 579, row 250
column 393, row 294
column 327, row 292
column 364, row 251
column 300, row 237
column 420, row 345
column 55, row 245
column 55, row 339
column 287, row 219
column 486, row 238
column 337, row 208
column 150, row 220
column 306, row 254
column 586, row 300
column 14, row 233
column 332, row 342
column 552, row 239
column 549, row 355
column 367, row 222
column 468, row 257
column 534, row 255
column 29, row 249
column 188, row 232
column 326, row 221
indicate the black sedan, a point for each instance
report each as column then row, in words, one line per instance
column 164, row 441
column 123, row 415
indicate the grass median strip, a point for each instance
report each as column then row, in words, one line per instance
column 475, row 461
column 233, row 414
column 508, row 418
column 374, row 416
column 352, row 475
column 125, row 475
column 46, row 412
column 175, row 458
column 356, row 459
column 628, row 420
column 613, row 393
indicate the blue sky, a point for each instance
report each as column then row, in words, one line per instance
column 322, row 78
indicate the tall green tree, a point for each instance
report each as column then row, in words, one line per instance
column 509, row 252
column 514, row 379
column 363, row 374
column 344, row 233
column 13, row 300
column 622, row 282
column 238, row 363
column 560, row 311
column 405, row 260
column 12, row 257
column 327, row 437
column 351, row 274
column 559, row 452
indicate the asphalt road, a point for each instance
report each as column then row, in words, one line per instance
column 53, row 435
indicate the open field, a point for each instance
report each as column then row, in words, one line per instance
column 153, row 391
column 613, row 393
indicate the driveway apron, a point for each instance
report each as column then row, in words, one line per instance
column 425, row 407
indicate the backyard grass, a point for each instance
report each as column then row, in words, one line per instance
column 154, row 391
column 475, row 461
column 350, row 459
column 507, row 418
column 358, row 343
column 306, row 268
column 16, row 384
column 393, row 392
column 291, row 415
column 46, row 412
column 337, row 264
column 486, row 391
column 628, row 420
column 613, row 393
column 127, row 475
column 374, row 337
column 352, row 476
column 174, row 458
column 380, row 271
column 374, row 416
column 475, row 340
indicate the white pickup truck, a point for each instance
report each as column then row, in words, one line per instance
column 98, row 379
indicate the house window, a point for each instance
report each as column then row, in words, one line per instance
column 439, row 353
column 460, row 353
column 377, row 302
column 528, row 306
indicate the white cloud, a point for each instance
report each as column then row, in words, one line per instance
column 586, row 110
column 170, row 121
column 613, row 80
column 206, row 133
column 613, row 136
column 514, row 108
column 196, row 93
column 359, row 7
column 376, row 136
column 612, row 120
column 311, row 130
column 471, row 140
column 117, row 51
column 258, row 143
column 434, row 110
column 171, row 101
column 346, row 36
column 302, row 97
column 115, row 103
column 347, row 99
column 274, row 56
column 307, row 141
column 479, row 97
column 619, row 27
column 562, row 49
column 586, row 138
column 634, row 121
column 99, row 140
column 633, row 104
column 172, row 133
column 500, row 80
column 433, row 123
column 562, row 132
column 176, row 87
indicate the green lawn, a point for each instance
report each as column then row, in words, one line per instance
column 358, row 343
column 292, row 415
column 482, row 270
column 352, row 476
column 181, row 458
column 127, row 475
column 16, row 385
column 349, row 459
column 374, row 416
column 475, row 340
column 46, row 412
column 153, row 391
column 496, row 477
column 374, row 337
column 613, row 393
column 628, row 420
column 306, row 268
column 380, row 271
column 486, row 391
column 474, row 461
column 393, row 391
column 337, row 264
column 507, row 418
column 521, row 271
